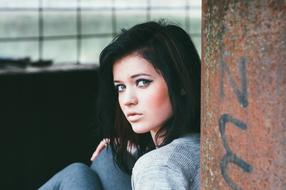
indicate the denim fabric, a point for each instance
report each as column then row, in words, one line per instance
column 103, row 174
column 111, row 176
column 74, row 177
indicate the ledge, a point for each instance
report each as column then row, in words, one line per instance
column 46, row 69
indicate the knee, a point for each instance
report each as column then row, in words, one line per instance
column 69, row 174
column 76, row 168
column 104, row 158
column 78, row 176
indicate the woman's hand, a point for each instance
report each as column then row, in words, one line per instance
column 104, row 143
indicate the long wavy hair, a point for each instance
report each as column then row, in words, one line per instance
column 171, row 51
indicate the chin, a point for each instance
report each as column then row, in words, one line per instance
column 139, row 129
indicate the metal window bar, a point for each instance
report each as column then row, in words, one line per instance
column 113, row 17
column 187, row 17
column 79, row 36
column 41, row 30
column 148, row 10
column 78, row 24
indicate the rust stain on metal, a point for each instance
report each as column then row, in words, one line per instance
column 244, row 95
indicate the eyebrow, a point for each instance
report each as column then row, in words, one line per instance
column 135, row 76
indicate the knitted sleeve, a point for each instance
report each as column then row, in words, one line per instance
column 159, row 178
column 175, row 166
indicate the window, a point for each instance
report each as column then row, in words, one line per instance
column 75, row 31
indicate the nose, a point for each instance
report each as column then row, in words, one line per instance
column 128, row 98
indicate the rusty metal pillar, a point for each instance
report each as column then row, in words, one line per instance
column 243, row 95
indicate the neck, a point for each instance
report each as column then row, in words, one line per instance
column 157, row 141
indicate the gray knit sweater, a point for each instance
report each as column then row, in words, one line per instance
column 175, row 166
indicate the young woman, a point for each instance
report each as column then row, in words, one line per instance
column 149, row 109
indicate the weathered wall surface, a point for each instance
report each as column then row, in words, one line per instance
column 244, row 95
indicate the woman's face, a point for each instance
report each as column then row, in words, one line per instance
column 142, row 94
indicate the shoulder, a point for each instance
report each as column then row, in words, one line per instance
column 181, row 151
column 178, row 160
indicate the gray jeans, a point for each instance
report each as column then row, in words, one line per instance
column 103, row 174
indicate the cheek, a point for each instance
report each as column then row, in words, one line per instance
column 159, row 100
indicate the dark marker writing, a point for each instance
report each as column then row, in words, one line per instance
column 242, row 97
column 230, row 157
column 241, row 93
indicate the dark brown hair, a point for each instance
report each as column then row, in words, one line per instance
column 171, row 51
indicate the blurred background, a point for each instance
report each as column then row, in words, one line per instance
column 75, row 31
column 48, row 77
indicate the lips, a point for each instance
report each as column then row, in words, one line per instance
column 133, row 117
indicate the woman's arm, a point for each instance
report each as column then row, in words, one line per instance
column 105, row 142
column 99, row 148
column 159, row 177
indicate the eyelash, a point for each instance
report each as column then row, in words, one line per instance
column 146, row 83
column 118, row 86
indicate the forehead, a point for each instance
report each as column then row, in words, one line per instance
column 131, row 65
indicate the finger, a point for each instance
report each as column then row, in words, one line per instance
column 107, row 141
column 99, row 148
column 97, row 151
column 93, row 156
